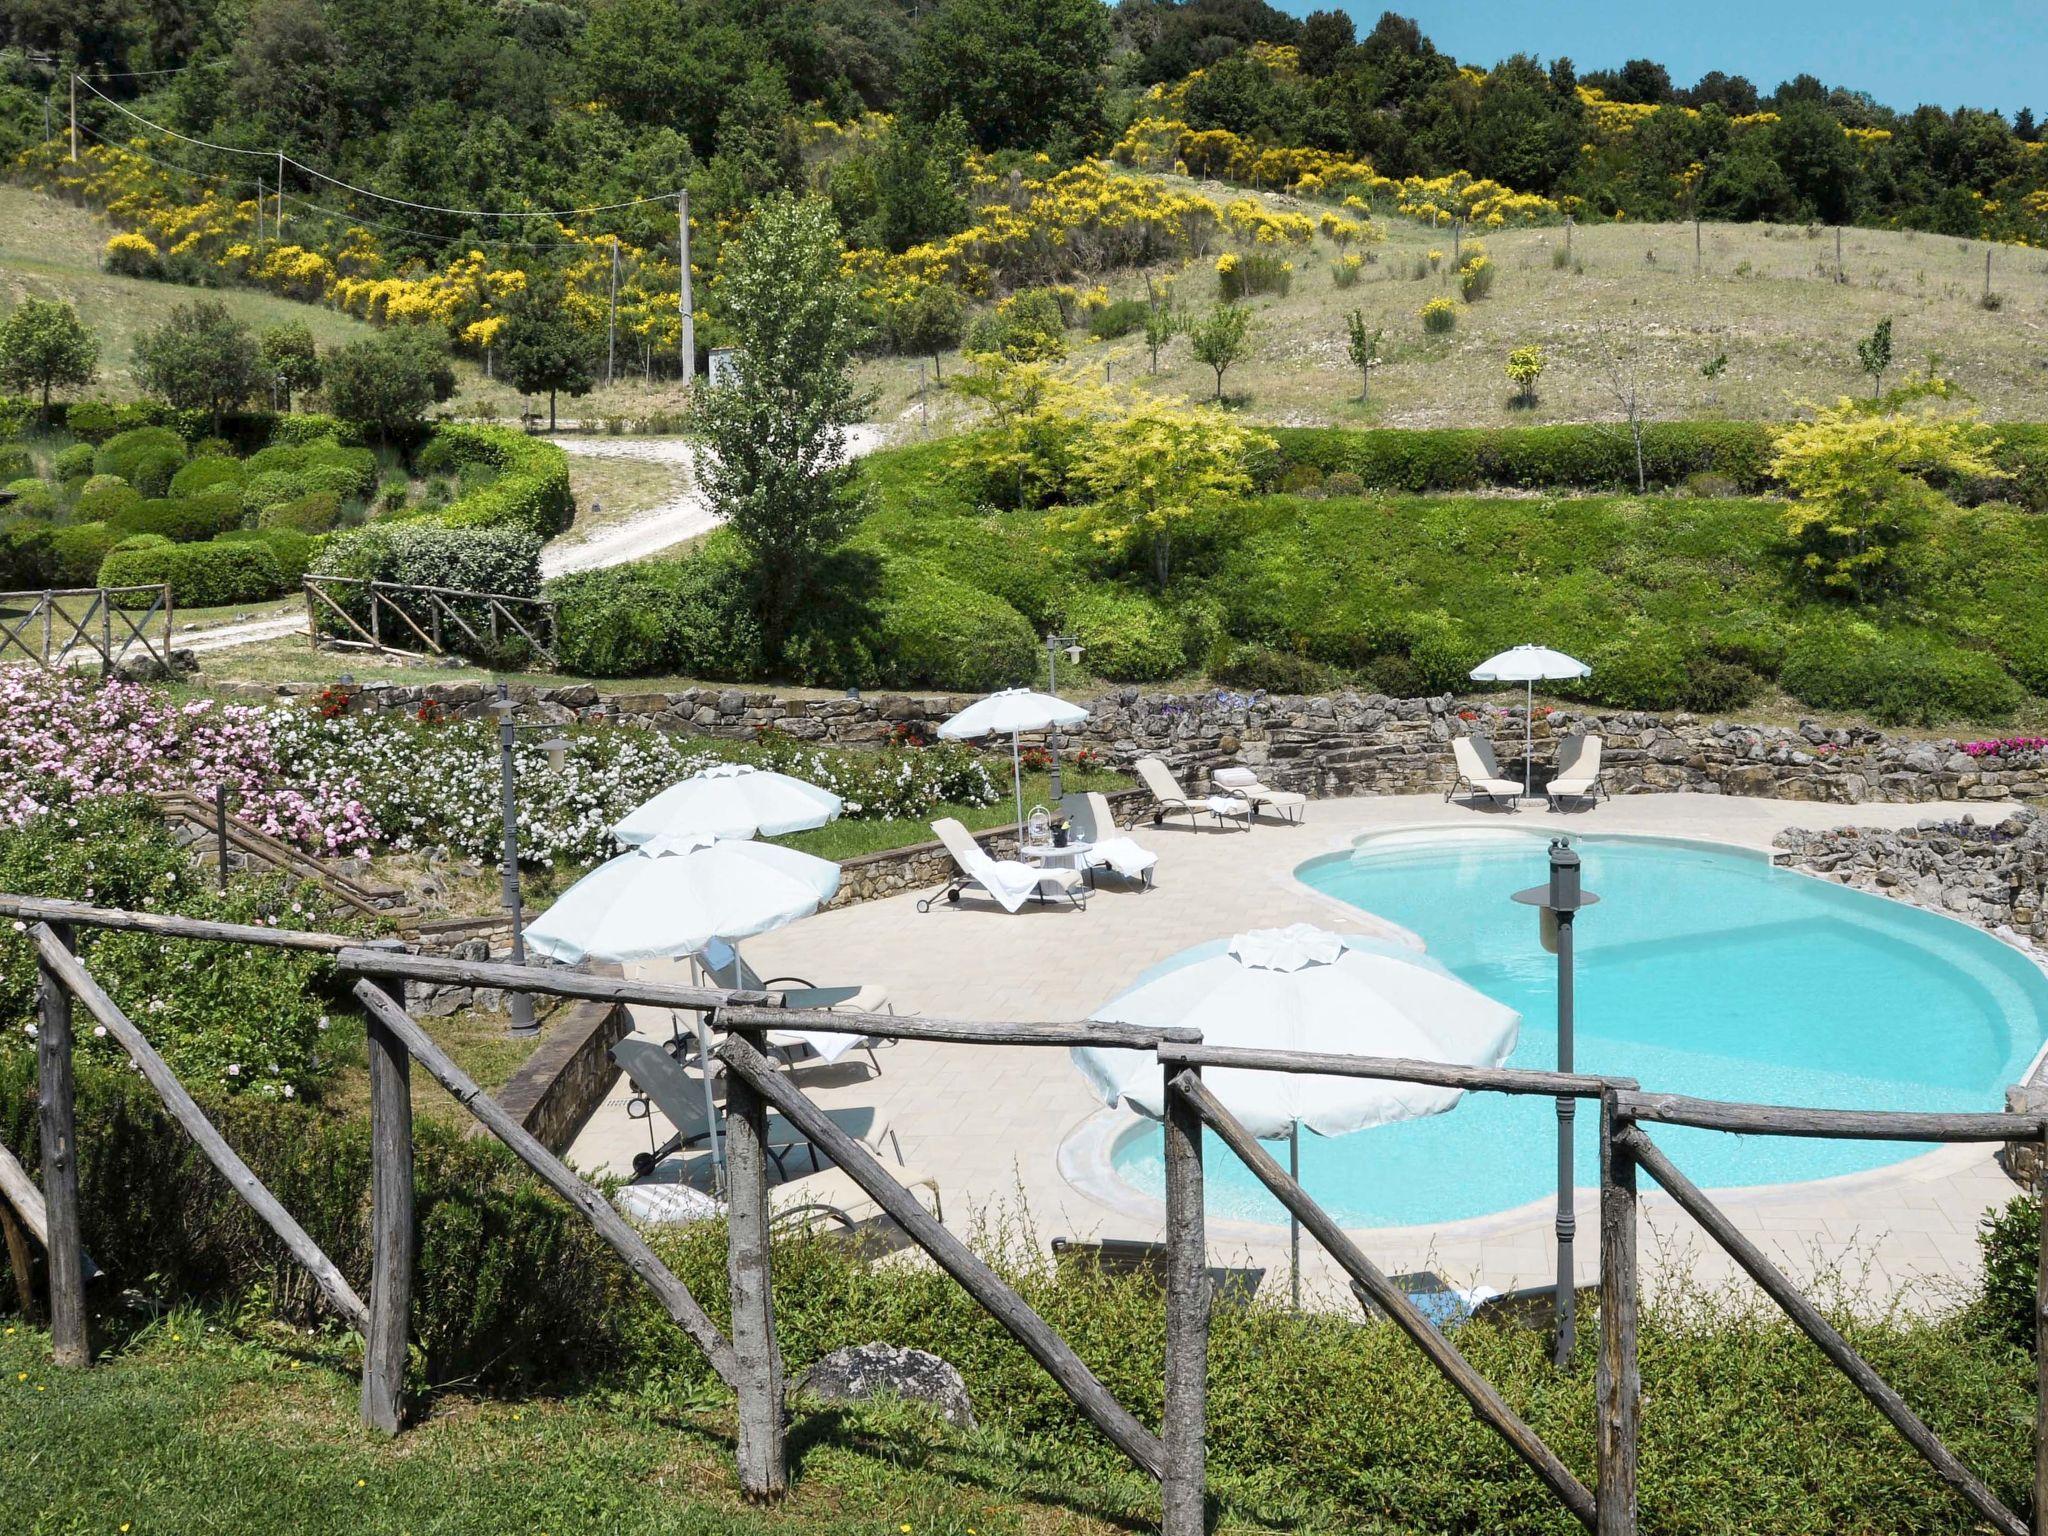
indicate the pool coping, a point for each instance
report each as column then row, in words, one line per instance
column 1085, row 1151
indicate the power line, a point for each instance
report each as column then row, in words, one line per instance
column 346, row 186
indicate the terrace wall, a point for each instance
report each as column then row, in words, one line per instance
column 1345, row 743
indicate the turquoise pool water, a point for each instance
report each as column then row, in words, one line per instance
column 1703, row 971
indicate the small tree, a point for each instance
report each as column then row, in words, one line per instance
column 1622, row 374
column 774, row 463
column 1162, row 324
column 288, row 356
column 387, row 381
column 1525, row 367
column 1860, row 479
column 1874, row 353
column 1221, row 338
column 200, row 359
column 543, row 349
column 930, row 321
column 1363, row 346
column 43, row 345
column 1155, row 466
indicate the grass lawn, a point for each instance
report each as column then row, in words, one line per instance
column 611, row 487
column 850, row 838
column 191, row 1427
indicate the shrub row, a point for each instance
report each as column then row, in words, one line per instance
column 1737, row 453
column 206, row 575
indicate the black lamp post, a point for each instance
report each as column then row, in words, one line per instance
column 519, row 1004
column 1054, row 644
column 1560, row 901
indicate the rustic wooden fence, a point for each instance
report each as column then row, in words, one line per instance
column 390, row 616
column 59, row 626
column 749, row 1361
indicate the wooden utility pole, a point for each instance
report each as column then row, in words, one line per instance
column 611, row 321
column 277, row 224
column 74, row 119
column 1987, row 273
column 687, row 345
column 1567, row 239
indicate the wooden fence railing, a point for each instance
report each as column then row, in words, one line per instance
column 60, row 626
column 390, row 616
column 749, row 1361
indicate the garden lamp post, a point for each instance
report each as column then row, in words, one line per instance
column 1560, row 901
column 520, row 1004
column 1054, row 644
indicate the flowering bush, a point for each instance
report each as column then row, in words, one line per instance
column 2005, row 746
column 1439, row 315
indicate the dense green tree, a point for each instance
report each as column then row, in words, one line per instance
column 1221, row 339
column 931, row 321
column 44, row 346
column 1809, row 146
column 775, row 438
column 290, row 360
column 1022, row 74
column 909, row 189
column 200, row 359
column 387, row 382
column 543, row 349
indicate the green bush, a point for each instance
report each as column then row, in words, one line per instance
column 1029, row 327
column 693, row 616
column 1262, row 667
column 26, row 555
column 182, row 522
column 93, row 420
column 293, row 551
column 273, row 487
column 316, row 512
column 33, row 498
column 16, row 462
column 207, row 473
column 146, row 457
column 1898, row 679
column 72, row 463
column 200, row 575
column 2010, row 1241
column 1118, row 318
column 309, row 428
column 105, row 497
column 1443, row 652
column 1129, row 636
column 1240, row 277
column 1637, row 670
column 532, row 488
column 77, row 550
column 1562, row 457
column 505, row 561
column 936, row 632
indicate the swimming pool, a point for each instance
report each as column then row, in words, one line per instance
column 1704, row 970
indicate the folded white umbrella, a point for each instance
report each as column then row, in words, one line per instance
column 731, row 800
column 1013, row 711
column 1529, row 665
column 1304, row 989
column 677, row 893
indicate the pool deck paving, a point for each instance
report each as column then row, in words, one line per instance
column 1013, row 1132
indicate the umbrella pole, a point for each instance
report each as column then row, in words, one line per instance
column 1017, row 779
column 710, row 1107
column 1294, row 1221
column 1528, row 739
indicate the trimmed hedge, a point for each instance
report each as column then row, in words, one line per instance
column 77, row 551
column 1566, row 457
column 104, row 497
column 532, row 487
column 200, row 575
column 693, row 617
column 315, row 512
column 146, row 457
column 1130, row 637
column 293, row 551
column 206, row 473
column 190, row 521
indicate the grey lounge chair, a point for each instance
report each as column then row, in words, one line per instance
column 1578, row 771
column 1169, row 799
column 1478, row 776
column 1126, row 1256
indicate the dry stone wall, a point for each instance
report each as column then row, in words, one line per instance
column 1339, row 744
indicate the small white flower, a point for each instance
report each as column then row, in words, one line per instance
column 100, row 1030
column 234, row 1069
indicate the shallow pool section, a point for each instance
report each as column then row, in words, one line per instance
column 1703, row 970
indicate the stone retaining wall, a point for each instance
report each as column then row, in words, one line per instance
column 1345, row 743
column 563, row 1082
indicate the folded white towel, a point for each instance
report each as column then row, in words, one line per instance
column 1228, row 805
column 1124, row 855
column 1234, row 778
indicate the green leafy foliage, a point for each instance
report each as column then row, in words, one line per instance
column 44, row 346
column 200, row 575
column 200, row 359
column 692, row 617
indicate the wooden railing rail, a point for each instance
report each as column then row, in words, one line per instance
column 42, row 909
column 1394, row 1069
column 533, row 619
column 1841, row 1124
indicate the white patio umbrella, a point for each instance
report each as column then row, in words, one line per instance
column 1304, row 989
column 1529, row 665
column 731, row 800
column 673, row 896
column 1014, row 710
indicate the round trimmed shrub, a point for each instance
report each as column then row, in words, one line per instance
column 206, row 474
column 1128, row 636
column 76, row 551
column 33, row 498
column 16, row 462
column 270, row 487
column 200, row 575
column 73, row 463
column 1898, row 679
column 1641, row 670
column 316, row 512
column 104, row 497
column 25, row 553
column 190, row 521
column 1443, row 651
column 146, row 457
column 293, row 551
column 351, row 473
column 93, row 420
column 940, row 633
column 144, row 541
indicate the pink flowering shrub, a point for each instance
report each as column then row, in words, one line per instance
column 2005, row 746
column 64, row 739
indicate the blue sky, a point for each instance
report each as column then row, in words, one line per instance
column 1988, row 53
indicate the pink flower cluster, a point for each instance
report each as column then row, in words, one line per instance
column 2005, row 746
column 63, row 739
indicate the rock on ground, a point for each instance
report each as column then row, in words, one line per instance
column 867, row 1371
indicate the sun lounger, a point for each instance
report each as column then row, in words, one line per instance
column 1009, row 882
column 1089, row 817
column 723, row 966
column 1289, row 805
column 1124, row 1256
column 1169, row 799
column 1442, row 1304
column 661, row 1082
column 1578, row 771
column 1474, row 778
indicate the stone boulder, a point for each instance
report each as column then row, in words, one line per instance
column 867, row 1371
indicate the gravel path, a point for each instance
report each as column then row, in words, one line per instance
column 660, row 527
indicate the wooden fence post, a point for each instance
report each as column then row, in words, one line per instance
column 1184, row 1427
column 69, row 1341
column 1618, row 1384
column 391, row 1220
column 763, row 1447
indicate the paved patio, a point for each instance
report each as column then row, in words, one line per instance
column 1015, row 1130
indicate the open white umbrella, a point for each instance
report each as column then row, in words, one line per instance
column 674, row 896
column 1013, row 711
column 1304, row 989
column 1529, row 665
column 731, row 800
